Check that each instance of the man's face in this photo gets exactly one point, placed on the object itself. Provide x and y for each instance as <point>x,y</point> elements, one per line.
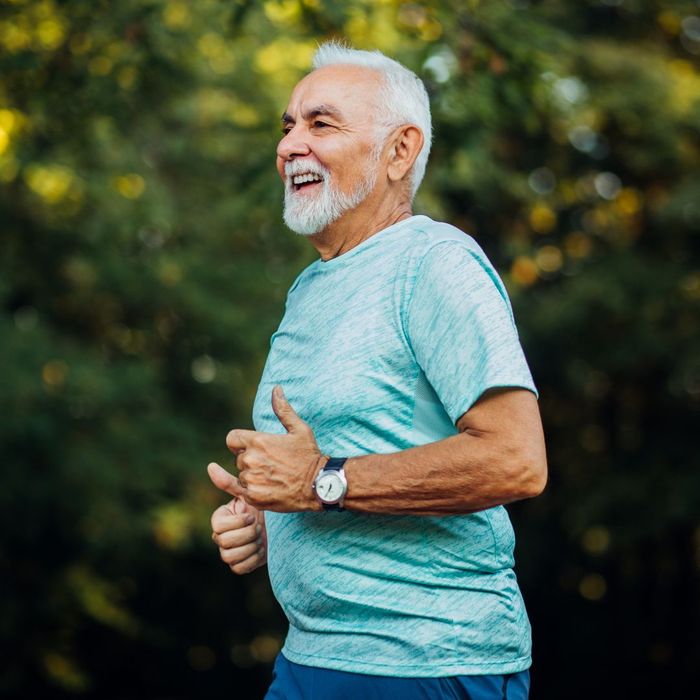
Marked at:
<point>327,157</point>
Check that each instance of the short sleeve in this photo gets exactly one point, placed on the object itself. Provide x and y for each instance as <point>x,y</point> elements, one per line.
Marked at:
<point>460,326</point>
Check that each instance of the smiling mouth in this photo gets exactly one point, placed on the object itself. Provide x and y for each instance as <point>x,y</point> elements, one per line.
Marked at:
<point>305,181</point>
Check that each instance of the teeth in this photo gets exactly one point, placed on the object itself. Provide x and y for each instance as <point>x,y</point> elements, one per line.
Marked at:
<point>306,177</point>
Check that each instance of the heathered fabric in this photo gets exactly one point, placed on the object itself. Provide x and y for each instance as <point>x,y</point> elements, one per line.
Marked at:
<point>381,349</point>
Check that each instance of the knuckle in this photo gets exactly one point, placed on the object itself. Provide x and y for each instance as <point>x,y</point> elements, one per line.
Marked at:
<point>255,441</point>
<point>257,502</point>
<point>253,457</point>
<point>240,568</point>
<point>226,555</point>
<point>217,516</point>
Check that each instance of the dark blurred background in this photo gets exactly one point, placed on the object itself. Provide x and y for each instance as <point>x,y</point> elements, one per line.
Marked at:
<point>144,266</point>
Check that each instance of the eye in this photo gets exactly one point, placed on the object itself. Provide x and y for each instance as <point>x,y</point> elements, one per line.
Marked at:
<point>319,125</point>
<point>286,129</point>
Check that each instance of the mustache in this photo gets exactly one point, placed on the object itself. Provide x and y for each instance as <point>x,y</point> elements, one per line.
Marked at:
<point>299,166</point>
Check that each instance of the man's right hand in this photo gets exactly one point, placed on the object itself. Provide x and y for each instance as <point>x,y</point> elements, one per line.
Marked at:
<point>239,532</point>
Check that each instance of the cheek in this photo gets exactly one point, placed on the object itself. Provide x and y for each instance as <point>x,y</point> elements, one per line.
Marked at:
<point>357,171</point>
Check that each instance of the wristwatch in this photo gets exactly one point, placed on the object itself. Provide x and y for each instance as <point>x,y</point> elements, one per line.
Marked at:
<point>331,485</point>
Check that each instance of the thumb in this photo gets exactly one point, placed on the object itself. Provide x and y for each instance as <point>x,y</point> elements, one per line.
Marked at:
<point>285,413</point>
<point>223,480</point>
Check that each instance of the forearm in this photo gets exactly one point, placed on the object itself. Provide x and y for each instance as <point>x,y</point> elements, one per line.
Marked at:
<point>460,474</point>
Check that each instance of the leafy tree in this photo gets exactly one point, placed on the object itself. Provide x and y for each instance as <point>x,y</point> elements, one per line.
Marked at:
<point>143,267</point>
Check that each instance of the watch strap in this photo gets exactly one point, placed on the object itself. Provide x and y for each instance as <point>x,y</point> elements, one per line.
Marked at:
<point>335,464</point>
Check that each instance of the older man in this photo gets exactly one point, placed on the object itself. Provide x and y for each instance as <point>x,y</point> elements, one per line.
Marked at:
<point>395,416</point>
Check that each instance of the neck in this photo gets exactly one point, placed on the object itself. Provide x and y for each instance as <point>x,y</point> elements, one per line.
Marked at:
<point>358,225</point>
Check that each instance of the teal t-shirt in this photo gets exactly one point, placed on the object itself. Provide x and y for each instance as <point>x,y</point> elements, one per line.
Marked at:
<point>381,349</point>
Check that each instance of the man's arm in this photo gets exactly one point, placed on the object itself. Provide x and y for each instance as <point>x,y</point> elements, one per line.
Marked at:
<point>498,457</point>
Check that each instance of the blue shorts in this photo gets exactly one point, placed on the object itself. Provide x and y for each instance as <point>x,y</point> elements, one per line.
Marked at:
<point>292,681</point>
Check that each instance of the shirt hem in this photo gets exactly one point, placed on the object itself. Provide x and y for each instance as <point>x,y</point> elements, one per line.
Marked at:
<point>412,670</point>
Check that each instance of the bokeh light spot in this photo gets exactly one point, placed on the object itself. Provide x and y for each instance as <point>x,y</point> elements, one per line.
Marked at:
<point>50,33</point>
<point>669,21</point>
<point>169,273</point>
<point>542,181</point>
<point>176,15</point>
<point>690,286</point>
<point>542,218</point>
<point>607,185</point>
<point>593,587</point>
<point>100,65</point>
<point>265,647</point>
<point>549,258</point>
<point>54,373</point>
<point>524,271</point>
<point>172,526</point>
<point>596,540</point>
<point>51,182</point>
<point>282,12</point>
<point>577,244</point>
<point>628,201</point>
<point>204,369</point>
<point>65,672</point>
<point>126,77</point>
<point>130,186</point>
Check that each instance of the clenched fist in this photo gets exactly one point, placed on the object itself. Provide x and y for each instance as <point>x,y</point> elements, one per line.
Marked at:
<point>275,470</point>
<point>239,532</point>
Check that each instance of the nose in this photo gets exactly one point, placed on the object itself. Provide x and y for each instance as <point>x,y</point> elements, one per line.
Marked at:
<point>292,145</point>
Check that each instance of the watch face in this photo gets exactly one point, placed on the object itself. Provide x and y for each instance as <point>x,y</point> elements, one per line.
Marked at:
<point>330,487</point>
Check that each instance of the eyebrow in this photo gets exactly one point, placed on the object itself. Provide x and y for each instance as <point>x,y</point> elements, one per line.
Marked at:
<point>319,111</point>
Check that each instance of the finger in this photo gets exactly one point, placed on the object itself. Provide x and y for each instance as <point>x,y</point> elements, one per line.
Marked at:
<point>224,481</point>
<point>223,521</point>
<point>230,539</point>
<point>237,440</point>
<point>251,563</point>
<point>235,555</point>
<point>285,413</point>
<point>240,506</point>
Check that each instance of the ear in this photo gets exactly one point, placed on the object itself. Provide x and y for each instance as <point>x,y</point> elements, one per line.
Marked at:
<point>406,144</point>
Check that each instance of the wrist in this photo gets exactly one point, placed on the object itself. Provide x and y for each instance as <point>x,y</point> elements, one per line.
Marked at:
<point>314,502</point>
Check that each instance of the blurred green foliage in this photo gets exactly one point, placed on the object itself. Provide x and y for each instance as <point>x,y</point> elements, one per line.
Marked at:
<point>143,268</point>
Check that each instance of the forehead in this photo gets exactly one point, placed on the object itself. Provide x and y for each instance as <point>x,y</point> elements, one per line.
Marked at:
<point>352,90</point>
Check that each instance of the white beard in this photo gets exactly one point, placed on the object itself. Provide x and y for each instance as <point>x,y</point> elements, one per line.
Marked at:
<point>307,213</point>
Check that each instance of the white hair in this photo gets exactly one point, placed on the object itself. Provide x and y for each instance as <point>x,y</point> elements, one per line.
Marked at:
<point>308,214</point>
<point>404,99</point>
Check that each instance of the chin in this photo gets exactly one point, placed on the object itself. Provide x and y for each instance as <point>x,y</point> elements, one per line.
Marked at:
<point>307,218</point>
<point>304,226</point>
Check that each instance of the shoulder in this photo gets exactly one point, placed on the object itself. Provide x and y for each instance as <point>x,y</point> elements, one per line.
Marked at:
<point>426,232</point>
<point>451,257</point>
<point>302,277</point>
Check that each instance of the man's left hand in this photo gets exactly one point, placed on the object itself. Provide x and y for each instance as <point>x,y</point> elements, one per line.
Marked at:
<point>276,472</point>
